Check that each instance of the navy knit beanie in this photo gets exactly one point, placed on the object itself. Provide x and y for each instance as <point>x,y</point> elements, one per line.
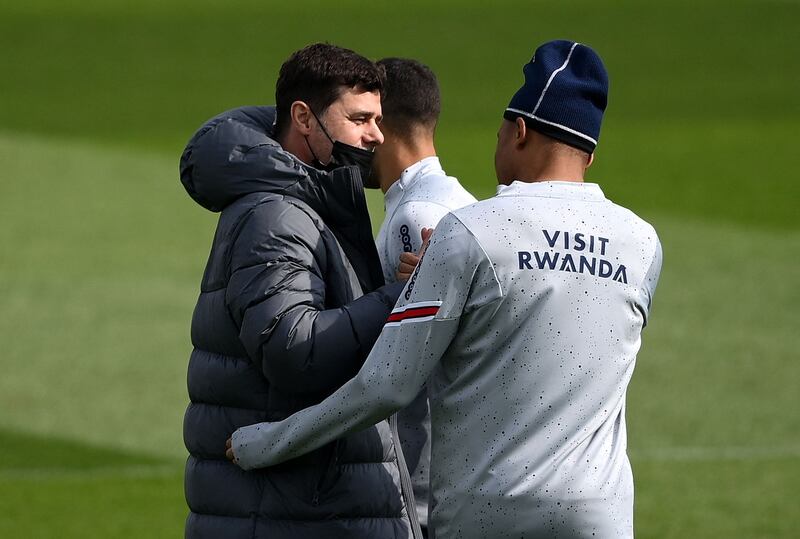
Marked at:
<point>564,94</point>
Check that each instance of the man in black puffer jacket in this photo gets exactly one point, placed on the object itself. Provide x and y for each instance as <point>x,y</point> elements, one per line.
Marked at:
<point>291,302</point>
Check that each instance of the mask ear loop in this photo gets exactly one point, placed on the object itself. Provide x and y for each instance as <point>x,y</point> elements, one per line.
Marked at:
<point>321,125</point>
<point>310,149</point>
<point>323,130</point>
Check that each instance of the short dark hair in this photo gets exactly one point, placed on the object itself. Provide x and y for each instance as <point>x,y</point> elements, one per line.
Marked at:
<point>411,96</point>
<point>316,75</point>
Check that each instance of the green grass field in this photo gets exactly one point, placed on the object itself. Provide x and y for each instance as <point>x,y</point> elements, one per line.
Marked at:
<point>102,250</point>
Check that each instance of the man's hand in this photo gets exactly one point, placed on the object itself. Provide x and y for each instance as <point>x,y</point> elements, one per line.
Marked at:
<point>229,450</point>
<point>409,261</point>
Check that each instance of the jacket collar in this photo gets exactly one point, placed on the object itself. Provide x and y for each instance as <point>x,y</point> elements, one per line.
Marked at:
<point>409,178</point>
<point>552,189</point>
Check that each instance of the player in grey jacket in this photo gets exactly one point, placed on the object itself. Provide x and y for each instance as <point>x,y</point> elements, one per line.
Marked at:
<point>525,317</point>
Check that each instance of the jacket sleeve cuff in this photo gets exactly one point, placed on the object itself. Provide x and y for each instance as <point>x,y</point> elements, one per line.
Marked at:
<point>392,292</point>
<point>368,313</point>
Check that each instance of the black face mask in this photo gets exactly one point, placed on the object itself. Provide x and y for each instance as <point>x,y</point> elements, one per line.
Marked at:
<point>345,155</point>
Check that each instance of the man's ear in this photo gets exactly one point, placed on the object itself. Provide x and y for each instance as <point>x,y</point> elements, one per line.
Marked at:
<point>591,160</point>
<point>302,117</point>
<point>521,134</point>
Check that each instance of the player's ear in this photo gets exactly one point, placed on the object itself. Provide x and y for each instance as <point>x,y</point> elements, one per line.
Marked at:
<point>301,117</point>
<point>521,132</point>
<point>590,161</point>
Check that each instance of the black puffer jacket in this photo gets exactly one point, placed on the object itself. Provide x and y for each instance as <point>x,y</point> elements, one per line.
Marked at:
<point>281,322</point>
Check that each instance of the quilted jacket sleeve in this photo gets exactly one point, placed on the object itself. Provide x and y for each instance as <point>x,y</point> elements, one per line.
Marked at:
<point>277,297</point>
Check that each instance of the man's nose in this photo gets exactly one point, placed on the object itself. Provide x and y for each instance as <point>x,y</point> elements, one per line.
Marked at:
<point>373,135</point>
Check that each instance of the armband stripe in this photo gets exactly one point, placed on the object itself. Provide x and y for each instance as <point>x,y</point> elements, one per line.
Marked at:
<point>417,312</point>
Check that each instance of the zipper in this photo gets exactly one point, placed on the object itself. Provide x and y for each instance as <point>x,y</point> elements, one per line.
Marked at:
<point>332,462</point>
<point>405,480</point>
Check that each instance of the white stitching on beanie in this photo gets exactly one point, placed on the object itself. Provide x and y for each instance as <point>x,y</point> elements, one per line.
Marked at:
<point>552,76</point>
<point>560,126</point>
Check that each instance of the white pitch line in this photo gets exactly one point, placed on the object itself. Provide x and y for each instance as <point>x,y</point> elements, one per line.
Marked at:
<point>125,472</point>
<point>709,454</point>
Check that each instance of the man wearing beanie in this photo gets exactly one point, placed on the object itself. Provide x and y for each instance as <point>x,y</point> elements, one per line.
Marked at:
<point>525,317</point>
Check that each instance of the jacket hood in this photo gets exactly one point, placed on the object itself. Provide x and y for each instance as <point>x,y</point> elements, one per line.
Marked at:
<point>233,154</point>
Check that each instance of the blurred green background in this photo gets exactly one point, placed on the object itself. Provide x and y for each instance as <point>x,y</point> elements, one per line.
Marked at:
<point>102,250</point>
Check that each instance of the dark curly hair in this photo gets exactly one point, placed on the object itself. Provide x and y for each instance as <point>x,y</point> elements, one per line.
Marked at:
<point>316,74</point>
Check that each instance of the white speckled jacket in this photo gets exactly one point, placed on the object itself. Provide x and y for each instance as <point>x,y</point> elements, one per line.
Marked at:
<point>419,199</point>
<point>526,314</point>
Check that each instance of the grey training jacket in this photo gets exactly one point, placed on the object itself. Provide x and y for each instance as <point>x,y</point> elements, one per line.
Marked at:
<point>525,316</point>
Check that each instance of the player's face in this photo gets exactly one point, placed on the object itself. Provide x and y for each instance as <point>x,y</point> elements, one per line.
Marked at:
<point>352,119</point>
<point>503,153</point>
